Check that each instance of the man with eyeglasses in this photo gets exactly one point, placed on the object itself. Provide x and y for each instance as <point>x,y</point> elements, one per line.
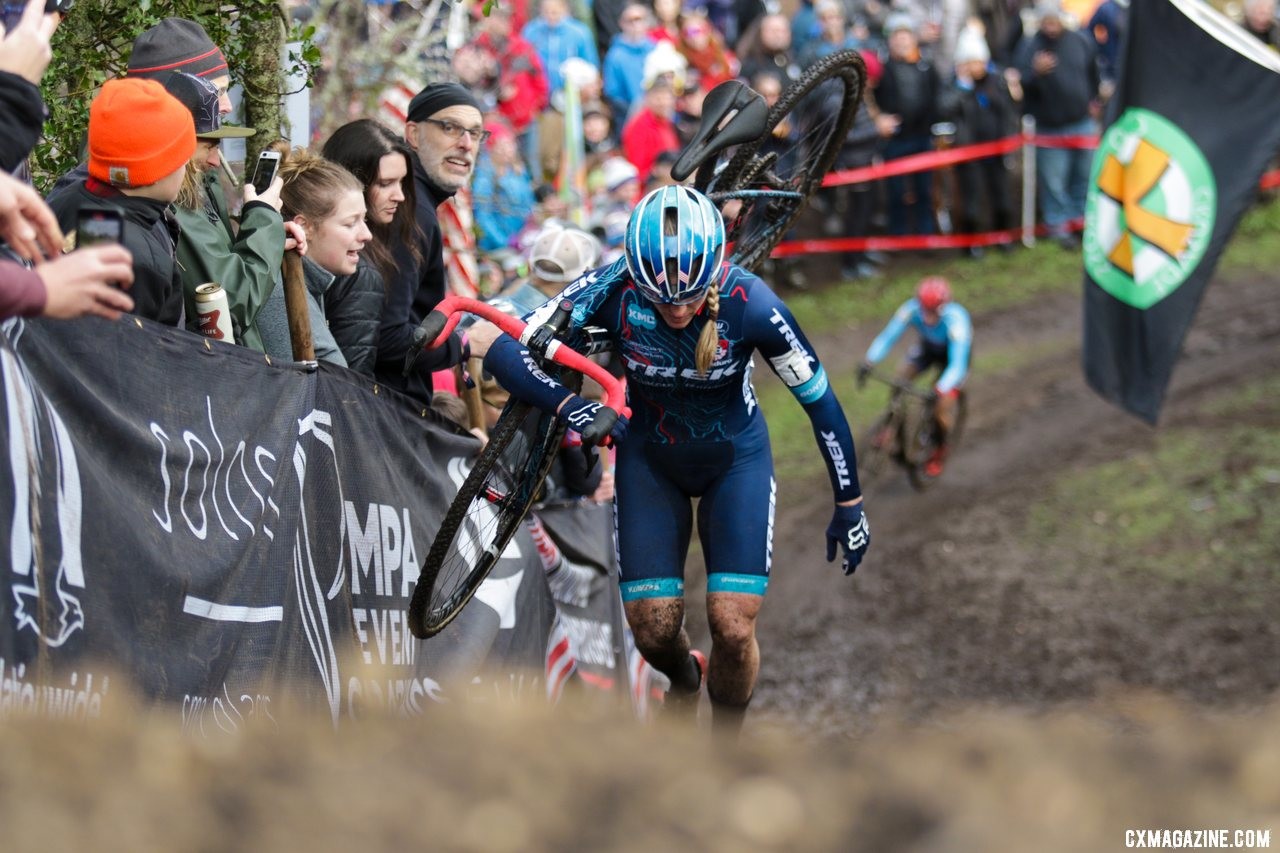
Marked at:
<point>445,128</point>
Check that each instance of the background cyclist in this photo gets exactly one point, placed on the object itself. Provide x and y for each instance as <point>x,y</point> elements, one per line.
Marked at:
<point>685,325</point>
<point>945,339</point>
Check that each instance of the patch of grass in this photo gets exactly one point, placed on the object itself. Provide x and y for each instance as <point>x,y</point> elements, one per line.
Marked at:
<point>998,281</point>
<point>1254,245</point>
<point>1200,506</point>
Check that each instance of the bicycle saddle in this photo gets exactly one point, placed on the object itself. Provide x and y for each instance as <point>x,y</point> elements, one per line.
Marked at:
<point>732,113</point>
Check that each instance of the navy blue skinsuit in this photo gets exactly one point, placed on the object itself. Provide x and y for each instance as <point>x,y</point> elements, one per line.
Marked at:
<point>690,435</point>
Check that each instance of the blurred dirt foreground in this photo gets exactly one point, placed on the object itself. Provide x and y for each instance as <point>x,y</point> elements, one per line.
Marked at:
<point>506,777</point>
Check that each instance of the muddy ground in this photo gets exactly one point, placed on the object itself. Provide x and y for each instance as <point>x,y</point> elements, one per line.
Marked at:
<point>970,689</point>
<point>955,604</point>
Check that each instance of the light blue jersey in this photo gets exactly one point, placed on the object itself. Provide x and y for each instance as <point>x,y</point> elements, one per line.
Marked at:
<point>950,337</point>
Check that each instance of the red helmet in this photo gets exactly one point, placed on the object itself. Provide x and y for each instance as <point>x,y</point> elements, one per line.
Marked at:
<point>933,292</point>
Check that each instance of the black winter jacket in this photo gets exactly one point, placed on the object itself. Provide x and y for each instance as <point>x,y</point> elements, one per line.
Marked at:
<point>982,112</point>
<point>157,288</point>
<point>21,119</point>
<point>411,295</point>
<point>910,90</point>
<point>1062,96</point>
<point>353,307</point>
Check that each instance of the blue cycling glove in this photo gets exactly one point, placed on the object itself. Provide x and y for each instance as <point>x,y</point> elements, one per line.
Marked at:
<point>579,414</point>
<point>848,528</point>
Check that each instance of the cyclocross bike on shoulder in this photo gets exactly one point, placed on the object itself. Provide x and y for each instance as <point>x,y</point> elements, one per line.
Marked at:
<point>760,192</point>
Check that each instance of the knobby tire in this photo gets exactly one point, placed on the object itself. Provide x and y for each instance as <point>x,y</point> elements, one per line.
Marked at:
<point>449,579</point>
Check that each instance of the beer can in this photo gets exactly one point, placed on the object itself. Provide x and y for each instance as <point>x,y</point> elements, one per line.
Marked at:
<point>214,312</point>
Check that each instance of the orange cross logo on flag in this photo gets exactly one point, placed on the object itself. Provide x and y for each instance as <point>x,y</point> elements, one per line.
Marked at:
<point>1150,210</point>
<point>1129,185</point>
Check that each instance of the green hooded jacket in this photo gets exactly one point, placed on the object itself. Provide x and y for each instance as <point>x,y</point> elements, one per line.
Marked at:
<point>246,263</point>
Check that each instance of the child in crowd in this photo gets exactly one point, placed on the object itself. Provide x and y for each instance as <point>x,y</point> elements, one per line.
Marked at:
<point>140,139</point>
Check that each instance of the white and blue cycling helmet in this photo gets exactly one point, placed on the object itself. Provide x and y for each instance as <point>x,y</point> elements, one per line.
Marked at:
<point>674,245</point>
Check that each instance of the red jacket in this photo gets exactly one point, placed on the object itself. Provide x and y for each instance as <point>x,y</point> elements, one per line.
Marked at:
<point>521,79</point>
<point>645,137</point>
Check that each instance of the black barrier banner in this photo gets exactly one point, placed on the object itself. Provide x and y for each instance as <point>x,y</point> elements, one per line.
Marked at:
<point>1176,168</point>
<point>575,539</point>
<point>223,529</point>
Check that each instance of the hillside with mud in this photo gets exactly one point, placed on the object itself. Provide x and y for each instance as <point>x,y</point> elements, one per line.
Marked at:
<point>1070,637</point>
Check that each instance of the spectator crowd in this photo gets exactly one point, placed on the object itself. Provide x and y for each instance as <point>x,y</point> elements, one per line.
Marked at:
<point>378,216</point>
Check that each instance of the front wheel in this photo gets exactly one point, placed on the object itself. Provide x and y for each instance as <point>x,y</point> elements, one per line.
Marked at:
<point>925,441</point>
<point>488,509</point>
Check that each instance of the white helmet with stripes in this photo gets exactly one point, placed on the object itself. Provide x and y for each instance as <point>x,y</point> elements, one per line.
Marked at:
<point>674,245</point>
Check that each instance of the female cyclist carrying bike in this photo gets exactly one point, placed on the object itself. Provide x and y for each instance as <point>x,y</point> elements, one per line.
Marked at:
<point>685,325</point>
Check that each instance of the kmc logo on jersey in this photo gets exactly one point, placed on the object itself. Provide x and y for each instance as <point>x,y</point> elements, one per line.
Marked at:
<point>641,317</point>
<point>1150,210</point>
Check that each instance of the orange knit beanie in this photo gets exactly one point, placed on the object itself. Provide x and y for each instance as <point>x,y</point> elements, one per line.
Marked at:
<point>138,133</point>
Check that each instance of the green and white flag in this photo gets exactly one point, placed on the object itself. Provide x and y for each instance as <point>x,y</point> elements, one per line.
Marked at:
<point>1193,123</point>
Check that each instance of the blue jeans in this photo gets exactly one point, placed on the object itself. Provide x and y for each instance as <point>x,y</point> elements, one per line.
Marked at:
<point>910,196</point>
<point>1063,174</point>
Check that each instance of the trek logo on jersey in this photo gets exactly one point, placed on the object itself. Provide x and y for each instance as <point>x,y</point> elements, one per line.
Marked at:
<point>837,459</point>
<point>657,371</point>
<point>1150,211</point>
<point>641,317</point>
<point>792,338</point>
<point>537,372</point>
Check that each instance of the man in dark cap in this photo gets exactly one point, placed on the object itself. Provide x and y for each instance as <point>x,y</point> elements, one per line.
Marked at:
<point>177,44</point>
<point>445,128</point>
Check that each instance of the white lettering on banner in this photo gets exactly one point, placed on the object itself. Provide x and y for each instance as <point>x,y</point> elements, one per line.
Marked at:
<point>837,458</point>
<point>207,481</point>
<point>78,701</point>
<point>227,713</point>
<point>500,594</point>
<point>381,547</point>
<point>402,696</point>
<point>592,639</point>
<point>230,612</point>
<point>43,470</point>
<point>389,630</point>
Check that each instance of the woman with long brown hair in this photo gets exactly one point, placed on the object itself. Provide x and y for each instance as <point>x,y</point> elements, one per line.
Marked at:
<point>383,164</point>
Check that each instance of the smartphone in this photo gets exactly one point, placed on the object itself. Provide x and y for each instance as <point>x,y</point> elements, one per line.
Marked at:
<point>11,13</point>
<point>265,172</point>
<point>95,225</point>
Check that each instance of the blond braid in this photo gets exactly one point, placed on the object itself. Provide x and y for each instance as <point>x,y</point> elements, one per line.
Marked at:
<point>709,340</point>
